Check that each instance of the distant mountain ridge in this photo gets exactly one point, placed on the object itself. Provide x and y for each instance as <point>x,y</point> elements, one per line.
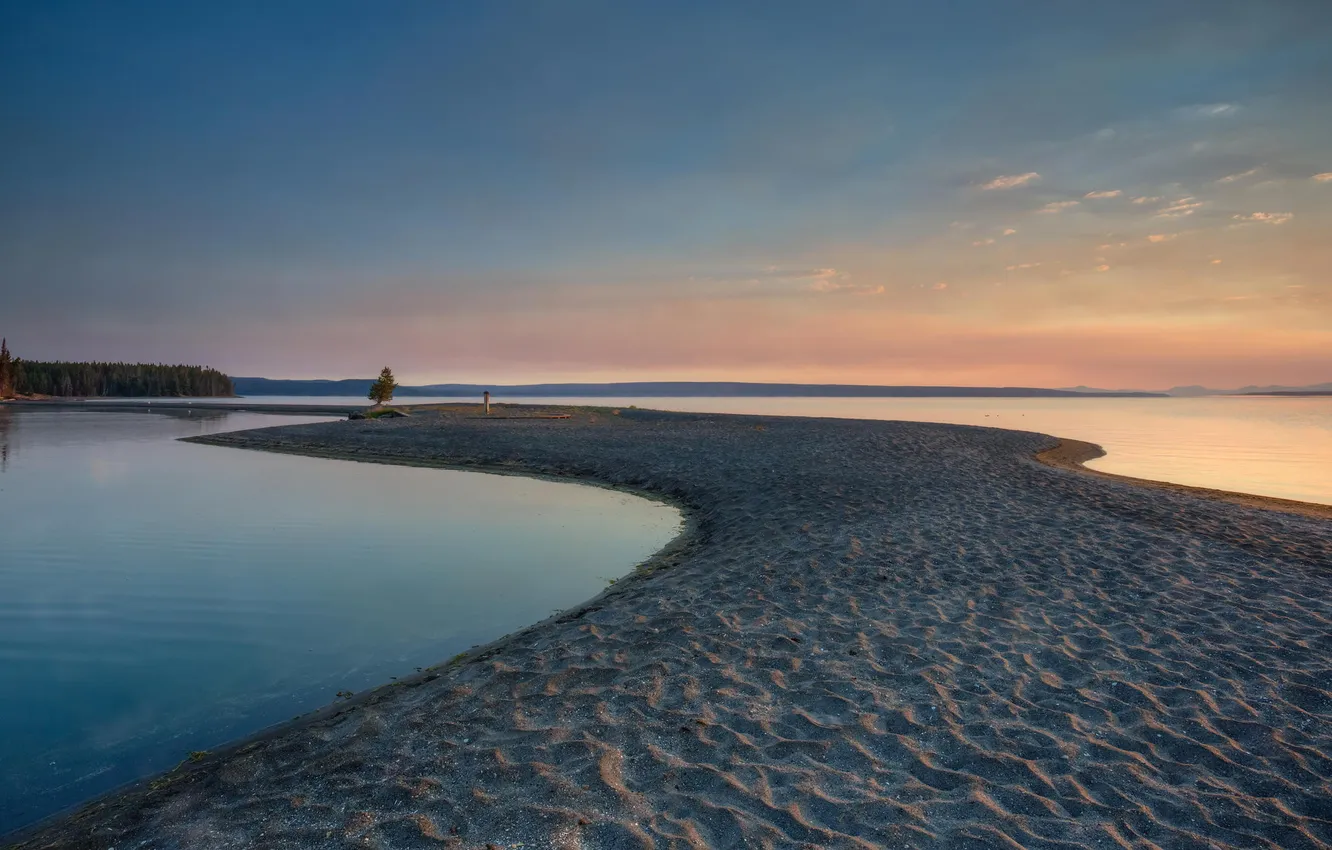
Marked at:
<point>665,389</point>
<point>1312,388</point>
<point>1195,390</point>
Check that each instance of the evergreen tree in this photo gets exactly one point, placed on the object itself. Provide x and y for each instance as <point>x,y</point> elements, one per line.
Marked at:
<point>92,380</point>
<point>381,391</point>
<point>6,370</point>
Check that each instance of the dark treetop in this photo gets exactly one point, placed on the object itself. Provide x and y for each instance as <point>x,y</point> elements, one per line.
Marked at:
<point>92,380</point>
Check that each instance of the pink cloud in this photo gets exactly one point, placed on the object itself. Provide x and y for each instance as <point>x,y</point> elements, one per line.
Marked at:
<point>1265,217</point>
<point>1057,206</point>
<point>1012,181</point>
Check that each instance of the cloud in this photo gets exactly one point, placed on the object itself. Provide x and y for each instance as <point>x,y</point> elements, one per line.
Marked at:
<point>1020,266</point>
<point>1112,193</point>
<point>770,274</point>
<point>781,279</point>
<point>1057,206</point>
<point>1144,199</point>
<point>1181,207</point>
<point>833,281</point>
<point>856,289</point>
<point>1208,110</point>
<point>1009,231</point>
<point>1265,217</point>
<point>980,242</point>
<point>941,285</point>
<point>1231,178</point>
<point>1161,237</point>
<point>1103,268</point>
<point>1325,177</point>
<point>1011,181</point>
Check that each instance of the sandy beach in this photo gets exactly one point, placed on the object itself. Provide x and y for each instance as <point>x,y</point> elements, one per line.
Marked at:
<point>871,634</point>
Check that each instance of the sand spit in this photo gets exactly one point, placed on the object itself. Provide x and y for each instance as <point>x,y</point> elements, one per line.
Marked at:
<point>1072,454</point>
<point>878,634</point>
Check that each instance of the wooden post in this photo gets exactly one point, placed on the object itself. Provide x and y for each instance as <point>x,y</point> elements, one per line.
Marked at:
<point>486,397</point>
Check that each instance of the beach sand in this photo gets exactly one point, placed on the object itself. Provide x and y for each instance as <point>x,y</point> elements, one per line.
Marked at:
<point>873,634</point>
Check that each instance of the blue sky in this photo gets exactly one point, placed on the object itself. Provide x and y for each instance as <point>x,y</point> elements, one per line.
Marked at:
<point>771,191</point>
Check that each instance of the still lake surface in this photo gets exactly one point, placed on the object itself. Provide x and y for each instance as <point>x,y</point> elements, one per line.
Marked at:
<point>1269,445</point>
<point>159,597</point>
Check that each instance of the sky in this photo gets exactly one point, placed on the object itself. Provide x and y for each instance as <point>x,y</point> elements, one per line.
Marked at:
<point>1037,193</point>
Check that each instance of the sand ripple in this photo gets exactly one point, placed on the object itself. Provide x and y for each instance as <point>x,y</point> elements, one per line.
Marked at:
<point>878,635</point>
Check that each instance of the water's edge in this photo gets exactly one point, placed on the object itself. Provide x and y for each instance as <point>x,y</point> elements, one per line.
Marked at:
<point>686,539</point>
<point>1072,455</point>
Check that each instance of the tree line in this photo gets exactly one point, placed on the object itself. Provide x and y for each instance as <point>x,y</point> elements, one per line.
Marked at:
<point>93,380</point>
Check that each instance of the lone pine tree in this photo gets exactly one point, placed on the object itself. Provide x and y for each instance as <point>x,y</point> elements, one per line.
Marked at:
<point>381,391</point>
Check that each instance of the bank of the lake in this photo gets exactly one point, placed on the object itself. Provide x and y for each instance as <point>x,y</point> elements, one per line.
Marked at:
<point>1267,446</point>
<point>888,633</point>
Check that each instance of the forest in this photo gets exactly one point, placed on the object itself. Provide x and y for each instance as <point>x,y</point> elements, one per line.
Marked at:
<point>99,380</point>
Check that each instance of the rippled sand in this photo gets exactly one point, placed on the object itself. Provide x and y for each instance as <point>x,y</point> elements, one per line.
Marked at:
<point>876,634</point>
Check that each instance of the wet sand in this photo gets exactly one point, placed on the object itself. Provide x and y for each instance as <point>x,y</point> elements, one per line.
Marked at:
<point>873,634</point>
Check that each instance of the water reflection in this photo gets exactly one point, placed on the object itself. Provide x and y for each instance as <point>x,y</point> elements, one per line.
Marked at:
<point>1271,446</point>
<point>5,428</point>
<point>158,597</point>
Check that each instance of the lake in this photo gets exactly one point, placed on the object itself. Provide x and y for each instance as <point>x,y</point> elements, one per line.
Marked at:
<point>159,597</point>
<point>1272,446</point>
<point>1269,445</point>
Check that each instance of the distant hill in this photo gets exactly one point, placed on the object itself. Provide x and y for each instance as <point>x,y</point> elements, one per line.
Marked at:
<point>1195,390</point>
<point>1083,389</point>
<point>660,389</point>
<point>1173,392</point>
<point>1312,389</point>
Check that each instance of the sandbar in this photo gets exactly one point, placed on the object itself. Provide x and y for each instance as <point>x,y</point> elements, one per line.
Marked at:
<point>871,634</point>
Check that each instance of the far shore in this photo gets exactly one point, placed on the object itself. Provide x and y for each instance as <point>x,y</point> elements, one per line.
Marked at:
<point>872,634</point>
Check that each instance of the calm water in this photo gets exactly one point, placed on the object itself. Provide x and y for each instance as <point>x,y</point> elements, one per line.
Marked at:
<point>1277,446</point>
<point>158,597</point>
<point>1271,446</point>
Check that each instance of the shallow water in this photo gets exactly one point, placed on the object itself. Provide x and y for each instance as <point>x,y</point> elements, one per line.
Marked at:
<point>158,597</point>
<point>1273,446</point>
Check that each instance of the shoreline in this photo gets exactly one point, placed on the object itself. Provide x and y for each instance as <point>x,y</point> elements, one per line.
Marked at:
<point>661,559</point>
<point>1069,454</point>
<point>811,515</point>
<point>1072,455</point>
